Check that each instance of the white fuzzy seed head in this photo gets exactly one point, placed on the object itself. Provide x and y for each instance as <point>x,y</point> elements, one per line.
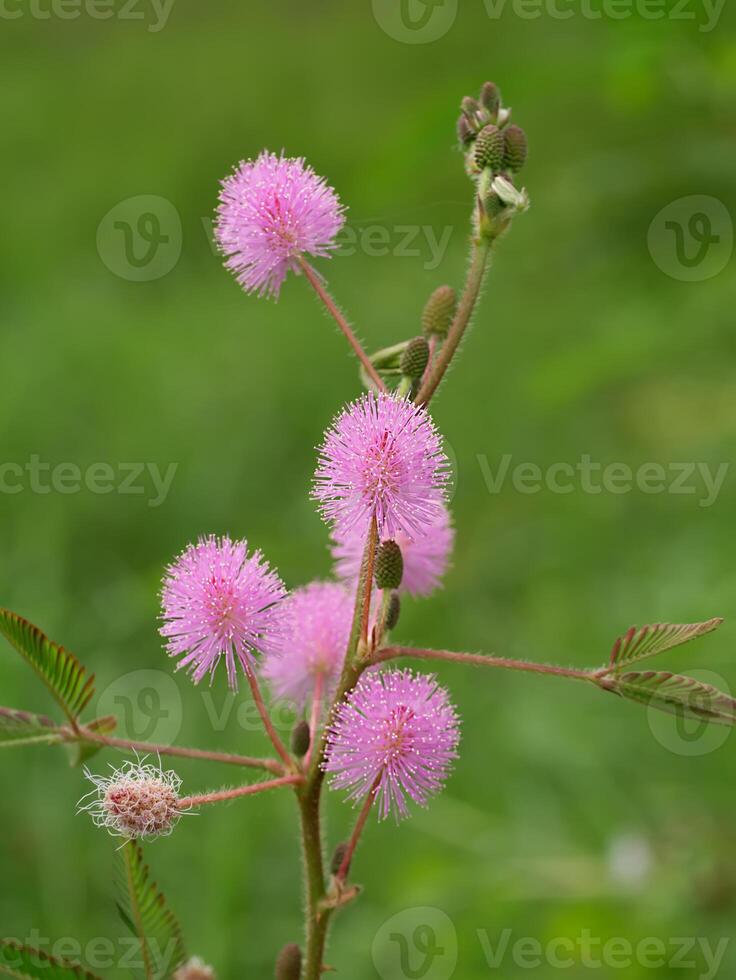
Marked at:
<point>195,969</point>
<point>137,801</point>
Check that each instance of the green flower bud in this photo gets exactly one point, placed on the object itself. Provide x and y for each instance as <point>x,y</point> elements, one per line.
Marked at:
<point>465,132</point>
<point>440,311</point>
<point>516,148</point>
<point>389,565</point>
<point>415,358</point>
<point>490,98</point>
<point>394,611</point>
<point>489,148</point>
<point>300,739</point>
<point>289,963</point>
<point>470,107</point>
<point>338,857</point>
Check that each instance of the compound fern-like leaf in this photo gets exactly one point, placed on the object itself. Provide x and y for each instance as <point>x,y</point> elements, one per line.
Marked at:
<point>25,963</point>
<point>675,694</point>
<point>637,644</point>
<point>60,670</point>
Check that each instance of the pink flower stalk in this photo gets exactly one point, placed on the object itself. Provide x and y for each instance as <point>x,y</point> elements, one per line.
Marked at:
<point>219,601</point>
<point>319,619</point>
<point>382,458</point>
<point>396,735</point>
<point>272,210</point>
<point>426,556</point>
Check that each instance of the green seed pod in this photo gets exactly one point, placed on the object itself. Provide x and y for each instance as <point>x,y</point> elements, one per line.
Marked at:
<point>415,358</point>
<point>300,739</point>
<point>516,148</point>
<point>394,611</point>
<point>289,963</point>
<point>490,98</point>
<point>389,565</point>
<point>440,311</point>
<point>489,148</point>
<point>338,857</point>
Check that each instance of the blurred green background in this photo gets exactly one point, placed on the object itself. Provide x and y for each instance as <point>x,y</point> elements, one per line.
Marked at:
<point>568,811</point>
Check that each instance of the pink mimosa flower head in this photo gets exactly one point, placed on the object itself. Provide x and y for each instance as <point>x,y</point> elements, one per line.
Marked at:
<point>319,618</point>
<point>426,556</point>
<point>272,210</point>
<point>137,801</point>
<point>396,736</point>
<point>219,601</point>
<point>382,458</point>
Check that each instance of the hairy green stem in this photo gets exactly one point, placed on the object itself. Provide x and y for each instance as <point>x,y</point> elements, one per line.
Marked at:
<point>189,802</point>
<point>473,284</point>
<point>484,660</point>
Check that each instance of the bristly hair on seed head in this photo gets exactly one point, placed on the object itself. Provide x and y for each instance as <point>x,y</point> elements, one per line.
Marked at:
<point>381,459</point>
<point>137,801</point>
<point>219,601</point>
<point>273,210</point>
<point>396,736</point>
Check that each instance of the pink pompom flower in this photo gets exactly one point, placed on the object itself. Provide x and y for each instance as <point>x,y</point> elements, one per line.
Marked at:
<point>319,619</point>
<point>426,556</point>
<point>382,458</point>
<point>272,210</point>
<point>219,601</point>
<point>396,736</point>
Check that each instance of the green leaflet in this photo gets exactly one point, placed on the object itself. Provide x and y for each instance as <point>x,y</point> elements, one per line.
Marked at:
<point>675,694</point>
<point>145,912</point>
<point>25,963</point>
<point>60,670</point>
<point>637,644</point>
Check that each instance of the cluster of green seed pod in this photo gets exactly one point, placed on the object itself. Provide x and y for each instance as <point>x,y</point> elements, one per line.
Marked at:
<point>490,143</point>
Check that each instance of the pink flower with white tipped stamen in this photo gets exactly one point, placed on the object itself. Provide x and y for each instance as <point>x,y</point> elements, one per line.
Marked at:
<point>396,735</point>
<point>219,601</point>
<point>426,556</point>
<point>272,210</point>
<point>382,458</point>
<point>137,801</point>
<point>319,619</point>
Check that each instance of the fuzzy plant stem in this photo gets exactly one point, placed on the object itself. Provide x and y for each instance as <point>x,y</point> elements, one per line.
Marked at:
<point>347,860</point>
<point>189,802</point>
<point>473,284</point>
<point>310,795</point>
<point>267,723</point>
<point>334,311</point>
<point>483,660</point>
<point>86,735</point>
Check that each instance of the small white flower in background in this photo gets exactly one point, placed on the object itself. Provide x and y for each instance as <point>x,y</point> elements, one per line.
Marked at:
<point>195,969</point>
<point>137,801</point>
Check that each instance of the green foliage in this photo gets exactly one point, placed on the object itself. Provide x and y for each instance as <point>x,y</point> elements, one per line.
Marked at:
<point>81,751</point>
<point>60,670</point>
<point>638,644</point>
<point>23,728</point>
<point>676,694</point>
<point>145,912</point>
<point>26,963</point>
